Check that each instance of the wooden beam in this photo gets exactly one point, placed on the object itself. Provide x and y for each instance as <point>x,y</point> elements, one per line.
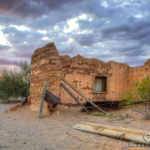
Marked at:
<point>75,98</point>
<point>82,95</point>
<point>42,99</point>
<point>137,136</point>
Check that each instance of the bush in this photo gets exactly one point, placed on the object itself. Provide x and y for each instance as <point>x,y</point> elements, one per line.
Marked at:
<point>143,89</point>
<point>15,85</point>
<point>140,91</point>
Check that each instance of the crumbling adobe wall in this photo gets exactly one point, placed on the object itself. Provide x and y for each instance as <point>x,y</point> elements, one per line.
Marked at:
<point>45,66</point>
<point>138,73</point>
<point>118,81</point>
<point>81,72</point>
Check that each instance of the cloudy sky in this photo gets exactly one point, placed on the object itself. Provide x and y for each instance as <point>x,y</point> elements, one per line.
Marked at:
<point>116,30</point>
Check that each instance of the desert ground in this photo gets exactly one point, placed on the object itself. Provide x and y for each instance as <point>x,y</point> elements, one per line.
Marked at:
<point>22,130</point>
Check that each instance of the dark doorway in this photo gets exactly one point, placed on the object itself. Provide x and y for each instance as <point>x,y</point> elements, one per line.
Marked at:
<point>100,84</point>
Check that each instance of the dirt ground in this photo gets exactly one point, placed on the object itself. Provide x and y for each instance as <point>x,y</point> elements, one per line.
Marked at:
<point>22,130</point>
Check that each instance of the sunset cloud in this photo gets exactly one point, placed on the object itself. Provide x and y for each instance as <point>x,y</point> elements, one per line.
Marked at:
<point>104,29</point>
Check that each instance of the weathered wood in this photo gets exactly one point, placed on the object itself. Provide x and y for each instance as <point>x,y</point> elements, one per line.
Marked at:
<point>75,98</point>
<point>82,95</point>
<point>42,99</point>
<point>137,136</point>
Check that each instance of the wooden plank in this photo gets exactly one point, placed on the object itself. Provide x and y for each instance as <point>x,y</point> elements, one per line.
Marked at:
<point>75,98</point>
<point>137,136</point>
<point>42,99</point>
<point>82,95</point>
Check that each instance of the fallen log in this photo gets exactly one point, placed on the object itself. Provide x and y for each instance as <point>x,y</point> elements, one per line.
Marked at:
<point>137,136</point>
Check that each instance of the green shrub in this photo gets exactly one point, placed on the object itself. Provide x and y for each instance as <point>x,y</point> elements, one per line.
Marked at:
<point>144,89</point>
<point>140,91</point>
<point>15,85</point>
<point>105,115</point>
<point>131,95</point>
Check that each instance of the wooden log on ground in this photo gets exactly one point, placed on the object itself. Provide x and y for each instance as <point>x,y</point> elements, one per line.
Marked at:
<point>137,136</point>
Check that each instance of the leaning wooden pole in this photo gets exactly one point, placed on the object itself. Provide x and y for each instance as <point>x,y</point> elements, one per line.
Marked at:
<point>42,99</point>
<point>121,133</point>
<point>82,95</point>
<point>75,98</point>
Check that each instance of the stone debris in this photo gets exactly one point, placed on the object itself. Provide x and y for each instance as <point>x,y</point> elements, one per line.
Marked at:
<point>17,106</point>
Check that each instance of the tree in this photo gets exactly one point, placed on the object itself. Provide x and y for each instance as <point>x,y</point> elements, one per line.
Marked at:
<point>25,71</point>
<point>14,85</point>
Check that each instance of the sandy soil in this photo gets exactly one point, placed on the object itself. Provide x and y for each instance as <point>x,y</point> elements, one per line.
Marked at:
<point>22,130</point>
<point>3,107</point>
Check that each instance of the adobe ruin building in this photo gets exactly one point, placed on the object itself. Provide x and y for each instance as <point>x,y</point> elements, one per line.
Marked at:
<point>98,80</point>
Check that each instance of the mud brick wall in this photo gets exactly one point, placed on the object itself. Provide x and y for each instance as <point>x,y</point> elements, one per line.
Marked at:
<point>81,72</point>
<point>45,65</point>
<point>138,73</point>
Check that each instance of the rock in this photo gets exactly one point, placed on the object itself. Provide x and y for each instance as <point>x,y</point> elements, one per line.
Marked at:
<point>15,107</point>
<point>139,127</point>
<point>12,108</point>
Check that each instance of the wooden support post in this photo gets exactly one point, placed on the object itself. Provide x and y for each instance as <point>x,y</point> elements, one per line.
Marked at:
<point>75,98</point>
<point>82,95</point>
<point>42,99</point>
